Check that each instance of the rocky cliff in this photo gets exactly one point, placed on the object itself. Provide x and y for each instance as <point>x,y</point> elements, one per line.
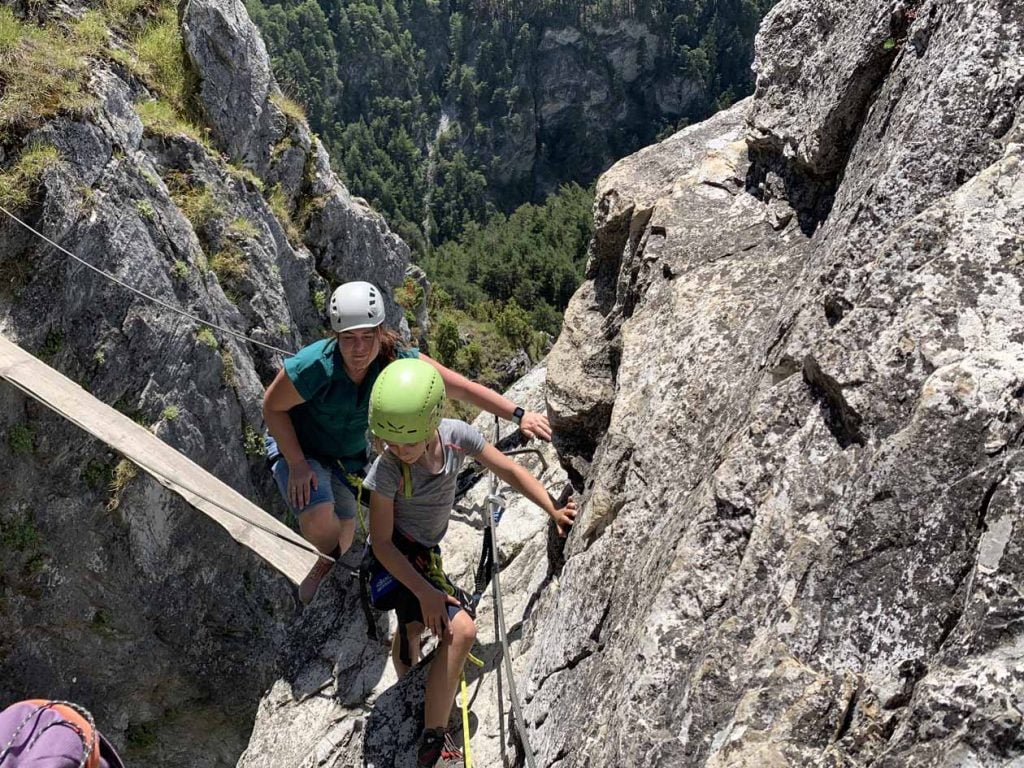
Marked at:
<point>801,530</point>
<point>587,98</point>
<point>113,592</point>
<point>791,391</point>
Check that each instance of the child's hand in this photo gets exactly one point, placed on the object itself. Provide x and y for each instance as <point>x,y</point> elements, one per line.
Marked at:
<point>565,517</point>
<point>434,607</point>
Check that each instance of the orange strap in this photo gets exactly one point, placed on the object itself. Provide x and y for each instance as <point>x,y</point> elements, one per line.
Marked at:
<point>74,717</point>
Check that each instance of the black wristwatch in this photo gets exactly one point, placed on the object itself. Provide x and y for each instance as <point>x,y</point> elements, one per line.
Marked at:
<point>517,415</point>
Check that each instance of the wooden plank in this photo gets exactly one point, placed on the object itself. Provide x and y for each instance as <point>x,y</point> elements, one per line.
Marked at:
<point>247,524</point>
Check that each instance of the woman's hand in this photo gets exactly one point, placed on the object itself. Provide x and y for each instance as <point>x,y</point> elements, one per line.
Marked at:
<point>535,425</point>
<point>565,517</point>
<point>434,608</point>
<point>300,478</point>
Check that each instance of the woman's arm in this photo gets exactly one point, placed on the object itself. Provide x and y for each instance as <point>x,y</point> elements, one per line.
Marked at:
<point>520,478</point>
<point>432,600</point>
<point>458,387</point>
<point>280,397</point>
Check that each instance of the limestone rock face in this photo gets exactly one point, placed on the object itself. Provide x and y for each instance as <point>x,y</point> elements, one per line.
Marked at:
<point>800,527</point>
<point>247,114</point>
<point>578,85</point>
<point>114,592</point>
<point>791,393</point>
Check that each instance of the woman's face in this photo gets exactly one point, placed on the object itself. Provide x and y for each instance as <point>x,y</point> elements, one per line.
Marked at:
<point>359,348</point>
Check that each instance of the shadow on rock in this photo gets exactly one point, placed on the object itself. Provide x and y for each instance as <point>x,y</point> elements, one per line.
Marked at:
<point>396,721</point>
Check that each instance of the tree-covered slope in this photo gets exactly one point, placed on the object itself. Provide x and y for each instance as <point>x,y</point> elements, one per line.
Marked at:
<point>438,110</point>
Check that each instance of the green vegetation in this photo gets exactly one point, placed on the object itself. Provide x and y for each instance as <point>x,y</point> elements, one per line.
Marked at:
<point>21,440</point>
<point>374,74</point>
<point>159,117</point>
<point>228,374</point>
<point>97,475</point>
<point>289,107</point>
<point>244,175</point>
<point>51,345</point>
<point>170,413</point>
<point>145,209</point>
<point>20,182</point>
<point>282,211</point>
<point>44,69</point>
<point>196,201</point>
<point>230,265</point>
<point>179,270</point>
<point>19,534</point>
<point>535,256</point>
<point>102,622</point>
<point>205,336</point>
<point>320,301</point>
<point>140,736</point>
<point>242,228</point>
<point>124,472</point>
<point>252,442</point>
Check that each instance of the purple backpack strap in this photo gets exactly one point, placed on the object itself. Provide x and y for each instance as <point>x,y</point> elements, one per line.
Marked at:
<point>38,735</point>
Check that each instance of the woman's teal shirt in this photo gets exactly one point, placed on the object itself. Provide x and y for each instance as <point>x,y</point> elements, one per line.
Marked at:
<point>333,422</point>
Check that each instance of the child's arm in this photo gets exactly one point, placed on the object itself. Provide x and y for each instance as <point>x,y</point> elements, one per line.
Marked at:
<point>432,600</point>
<point>520,478</point>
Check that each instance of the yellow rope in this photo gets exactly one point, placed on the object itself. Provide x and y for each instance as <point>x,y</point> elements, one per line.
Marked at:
<point>357,482</point>
<point>466,753</point>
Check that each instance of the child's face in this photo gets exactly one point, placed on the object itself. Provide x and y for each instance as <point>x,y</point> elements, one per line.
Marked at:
<point>408,452</point>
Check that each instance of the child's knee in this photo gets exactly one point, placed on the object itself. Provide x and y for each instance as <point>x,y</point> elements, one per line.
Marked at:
<point>463,630</point>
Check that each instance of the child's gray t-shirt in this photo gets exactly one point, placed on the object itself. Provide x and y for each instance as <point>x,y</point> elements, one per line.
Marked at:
<point>424,516</point>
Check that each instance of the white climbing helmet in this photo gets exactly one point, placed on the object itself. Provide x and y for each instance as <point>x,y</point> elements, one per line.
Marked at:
<point>356,305</point>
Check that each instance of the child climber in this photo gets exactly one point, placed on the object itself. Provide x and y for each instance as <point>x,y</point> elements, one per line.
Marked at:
<point>413,489</point>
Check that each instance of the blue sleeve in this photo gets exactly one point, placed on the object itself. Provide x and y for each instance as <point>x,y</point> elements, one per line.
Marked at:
<point>402,354</point>
<point>306,371</point>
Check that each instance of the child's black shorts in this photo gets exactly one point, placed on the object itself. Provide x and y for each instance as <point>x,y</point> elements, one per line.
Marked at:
<point>386,593</point>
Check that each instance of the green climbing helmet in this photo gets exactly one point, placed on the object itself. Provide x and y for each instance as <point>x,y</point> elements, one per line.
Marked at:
<point>406,401</point>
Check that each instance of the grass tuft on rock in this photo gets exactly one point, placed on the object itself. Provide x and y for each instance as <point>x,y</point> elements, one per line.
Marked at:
<point>20,182</point>
<point>43,70</point>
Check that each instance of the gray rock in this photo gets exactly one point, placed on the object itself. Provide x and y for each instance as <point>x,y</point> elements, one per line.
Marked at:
<point>773,569</point>
<point>236,84</point>
<point>346,239</point>
<point>120,596</point>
